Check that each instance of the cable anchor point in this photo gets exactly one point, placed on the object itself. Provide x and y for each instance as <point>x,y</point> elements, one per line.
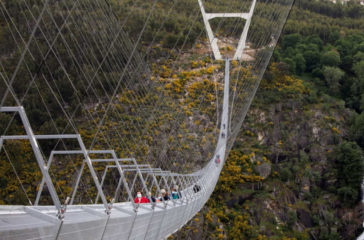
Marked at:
<point>62,210</point>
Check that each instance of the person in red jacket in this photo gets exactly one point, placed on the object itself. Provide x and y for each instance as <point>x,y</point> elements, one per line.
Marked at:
<point>140,198</point>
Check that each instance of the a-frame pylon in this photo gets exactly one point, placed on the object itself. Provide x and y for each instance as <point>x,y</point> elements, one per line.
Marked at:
<point>213,40</point>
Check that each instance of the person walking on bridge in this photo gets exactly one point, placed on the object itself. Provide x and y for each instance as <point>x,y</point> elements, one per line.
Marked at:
<point>164,195</point>
<point>140,198</point>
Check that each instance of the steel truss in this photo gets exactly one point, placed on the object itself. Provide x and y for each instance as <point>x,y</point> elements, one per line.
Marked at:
<point>212,38</point>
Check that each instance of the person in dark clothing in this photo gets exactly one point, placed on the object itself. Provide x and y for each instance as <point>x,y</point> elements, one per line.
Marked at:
<point>196,188</point>
<point>164,196</point>
<point>151,198</point>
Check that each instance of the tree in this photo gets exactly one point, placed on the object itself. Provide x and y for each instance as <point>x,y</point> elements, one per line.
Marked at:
<point>285,174</point>
<point>358,68</point>
<point>359,57</point>
<point>300,63</point>
<point>291,40</point>
<point>330,58</point>
<point>318,73</point>
<point>291,219</point>
<point>332,76</point>
<point>345,47</point>
<point>360,47</point>
<point>347,194</point>
<point>349,164</point>
<point>357,86</point>
<point>316,40</point>
<point>357,129</point>
<point>312,58</point>
<point>291,63</point>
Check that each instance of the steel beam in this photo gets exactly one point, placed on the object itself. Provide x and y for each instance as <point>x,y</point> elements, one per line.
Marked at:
<point>213,40</point>
<point>43,216</point>
<point>38,154</point>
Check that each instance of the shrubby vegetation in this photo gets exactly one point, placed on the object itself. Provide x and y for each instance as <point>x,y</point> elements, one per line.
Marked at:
<point>306,127</point>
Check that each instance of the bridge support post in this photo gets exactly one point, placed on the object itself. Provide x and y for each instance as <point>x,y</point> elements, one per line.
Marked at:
<point>213,40</point>
<point>37,152</point>
<point>92,171</point>
<point>77,183</point>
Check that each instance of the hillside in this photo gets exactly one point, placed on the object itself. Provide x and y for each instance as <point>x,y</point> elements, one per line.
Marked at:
<point>296,169</point>
<point>279,179</point>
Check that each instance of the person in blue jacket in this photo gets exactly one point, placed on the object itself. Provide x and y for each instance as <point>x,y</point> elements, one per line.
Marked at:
<point>175,193</point>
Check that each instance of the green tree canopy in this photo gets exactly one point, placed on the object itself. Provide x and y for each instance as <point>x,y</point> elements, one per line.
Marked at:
<point>291,63</point>
<point>312,58</point>
<point>291,40</point>
<point>359,57</point>
<point>300,63</point>
<point>333,75</point>
<point>330,58</point>
<point>349,163</point>
<point>357,129</point>
<point>359,69</point>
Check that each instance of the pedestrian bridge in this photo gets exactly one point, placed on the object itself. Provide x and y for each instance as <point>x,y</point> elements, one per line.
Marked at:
<point>65,54</point>
<point>125,220</point>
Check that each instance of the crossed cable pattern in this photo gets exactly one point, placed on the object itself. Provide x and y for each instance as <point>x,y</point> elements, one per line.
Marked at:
<point>76,57</point>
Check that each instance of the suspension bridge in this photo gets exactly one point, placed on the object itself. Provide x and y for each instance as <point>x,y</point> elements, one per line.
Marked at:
<point>74,77</point>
